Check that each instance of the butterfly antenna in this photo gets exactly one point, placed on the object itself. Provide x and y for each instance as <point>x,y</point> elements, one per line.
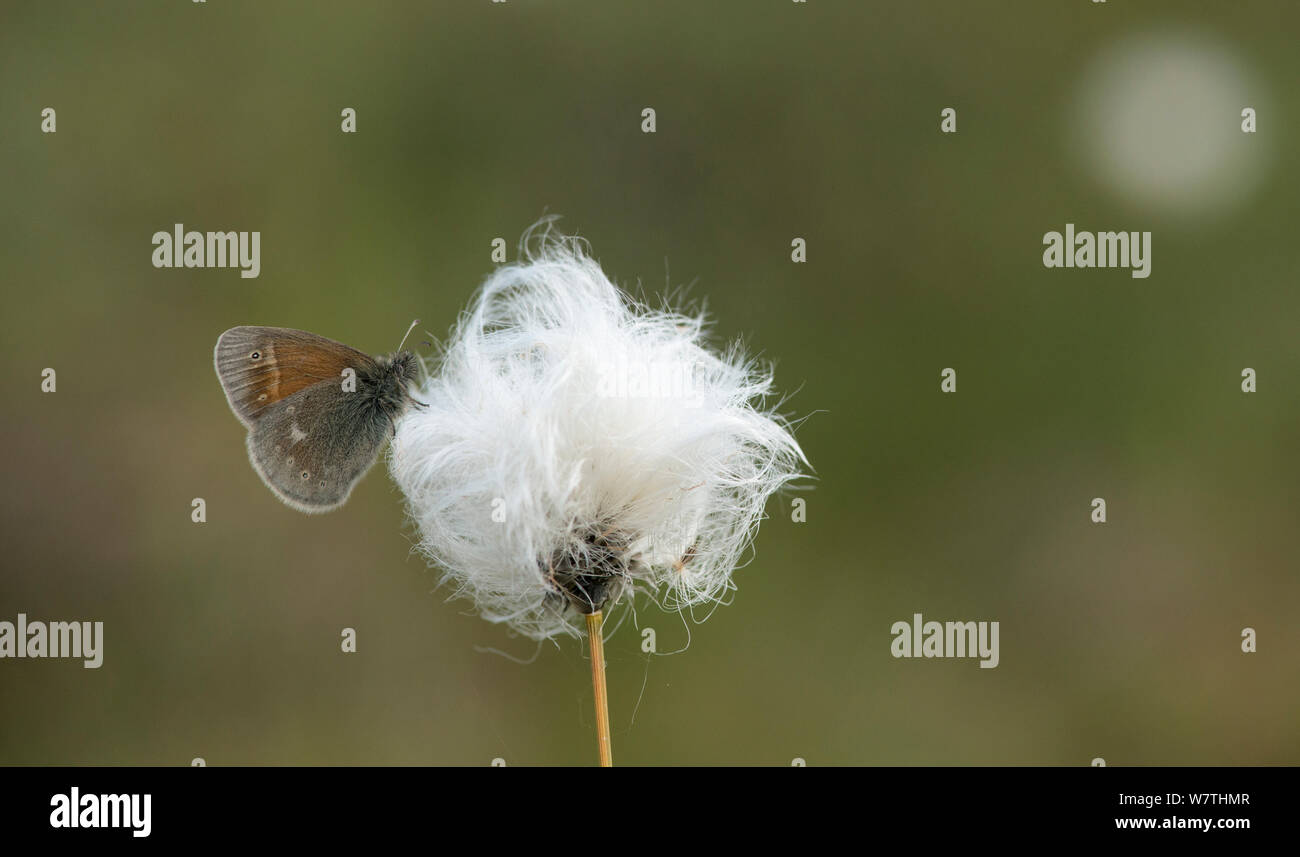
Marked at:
<point>408,333</point>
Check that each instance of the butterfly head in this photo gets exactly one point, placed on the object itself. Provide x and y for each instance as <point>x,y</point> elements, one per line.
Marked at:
<point>397,375</point>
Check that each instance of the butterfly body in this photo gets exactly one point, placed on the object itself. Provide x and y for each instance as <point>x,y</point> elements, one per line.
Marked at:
<point>317,411</point>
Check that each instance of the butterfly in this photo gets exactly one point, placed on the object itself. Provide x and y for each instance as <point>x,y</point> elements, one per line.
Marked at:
<point>317,411</point>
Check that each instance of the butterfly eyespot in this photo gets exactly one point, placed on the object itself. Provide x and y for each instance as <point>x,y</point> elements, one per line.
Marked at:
<point>256,355</point>
<point>321,483</point>
<point>306,475</point>
<point>262,398</point>
<point>289,461</point>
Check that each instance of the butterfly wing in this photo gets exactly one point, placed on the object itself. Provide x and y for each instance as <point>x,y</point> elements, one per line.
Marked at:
<point>260,366</point>
<point>314,446</point>
<point>308,438</point>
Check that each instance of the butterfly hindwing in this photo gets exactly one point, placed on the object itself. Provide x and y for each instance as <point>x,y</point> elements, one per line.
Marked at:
<point>260,366</point>
<point>312,447</point>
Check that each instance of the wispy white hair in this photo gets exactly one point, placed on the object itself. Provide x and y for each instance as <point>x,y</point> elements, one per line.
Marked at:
<point>540,436</point>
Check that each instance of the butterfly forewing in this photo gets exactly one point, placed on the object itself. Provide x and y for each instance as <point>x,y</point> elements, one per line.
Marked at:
<point>260,366</point>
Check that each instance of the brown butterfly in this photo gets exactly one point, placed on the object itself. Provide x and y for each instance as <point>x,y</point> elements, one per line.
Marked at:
<point>317,411</point>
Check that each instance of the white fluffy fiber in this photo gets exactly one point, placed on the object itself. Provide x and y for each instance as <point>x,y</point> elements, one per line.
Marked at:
<point>523,420</point>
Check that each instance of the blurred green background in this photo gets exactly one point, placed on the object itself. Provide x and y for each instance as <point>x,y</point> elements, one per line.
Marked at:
<point>775,120</point>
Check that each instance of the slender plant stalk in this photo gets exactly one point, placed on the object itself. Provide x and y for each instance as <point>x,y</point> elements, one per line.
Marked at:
<point>597,640</point>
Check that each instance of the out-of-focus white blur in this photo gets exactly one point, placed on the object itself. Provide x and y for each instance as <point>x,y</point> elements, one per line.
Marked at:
<point>1157,120</point>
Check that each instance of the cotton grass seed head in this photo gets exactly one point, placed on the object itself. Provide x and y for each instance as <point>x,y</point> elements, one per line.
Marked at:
<point>577,447</point>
